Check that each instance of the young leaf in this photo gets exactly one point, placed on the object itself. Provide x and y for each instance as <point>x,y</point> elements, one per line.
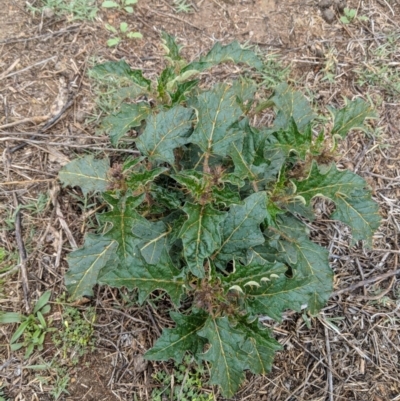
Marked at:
<point>291,104</point>
<point>140,179</point>
<point>217,110</point>
<point>193,181</point>
<point>10,317</point>
<point>147,278</point>
<point>86,263</point>
<point>16,346</point>
<point>165,132</point>
<point>219,54</point>
<point>42,301</point>
<point>130,2</point>
<point>134,35</point>
<point>113,42</point>
<point>123,27</point>
<point>354,205</point>
<point>247,154</point>
<point>241,228</point>
<point>111,28</point>
<point>171,47</point>
<point>226,354</point>
<point>167,75</point>
<point>200,235</point>
<point>20,330</point>
<point>122,70</point>
<point>352,116</point>
<point>128,9</point>
<point>87,173</point>
<point>109,4</point>
<point>129,116</point>
<point>292,140</point>
<point>174,343</point>
<point>182,89</point>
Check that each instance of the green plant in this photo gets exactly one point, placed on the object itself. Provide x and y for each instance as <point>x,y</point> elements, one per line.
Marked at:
<point>2,395</point>
<point>123,32</point>
<point>185,383</point>
<point>33,328</point>
<point>61,382</point>
<point>57,380</point>
<point>274,71</point>
<point>214,210</point>
<point>73,9</point>
<point>122,5</point>
<point>379,71</point>
<point>350,14</point>
<point>75,337</point>
<point>182,6</point>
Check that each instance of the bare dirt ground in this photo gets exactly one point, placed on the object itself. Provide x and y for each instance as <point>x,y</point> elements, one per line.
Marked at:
<point>352,350</point>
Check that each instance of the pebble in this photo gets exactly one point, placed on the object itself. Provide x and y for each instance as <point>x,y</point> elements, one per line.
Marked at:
<point>340,5</point>
<point>325,4</point>
<point>328,15</point>
<point>48,12</point>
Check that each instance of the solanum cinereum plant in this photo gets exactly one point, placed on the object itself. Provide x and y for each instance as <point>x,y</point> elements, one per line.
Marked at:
<point>214,211</point>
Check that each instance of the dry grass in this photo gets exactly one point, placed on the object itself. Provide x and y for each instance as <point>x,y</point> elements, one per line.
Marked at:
<point>351,350</point>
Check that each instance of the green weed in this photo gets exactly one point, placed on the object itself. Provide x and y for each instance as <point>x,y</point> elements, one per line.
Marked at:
<point>72,9</point>
<point>75,337</point>
<point>350,14</point>
<point>121,33</point>
<point>209,212</point>
<point>380,71</point>
<point>185,383</point>
<point>125,5</point>
<point>32,328</point>
<point>183,6</point>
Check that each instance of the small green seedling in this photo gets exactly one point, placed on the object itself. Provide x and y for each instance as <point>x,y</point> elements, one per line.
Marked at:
<point>33,328</point>
<point>187,379</point>
<point>119,35</point>
<point>75,337</point>
<point>73,10</point>
<point>350,14</point>
<point>182,6</point>
<point>123,5</point>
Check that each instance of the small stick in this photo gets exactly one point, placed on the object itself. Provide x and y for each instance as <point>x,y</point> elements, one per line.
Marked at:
<point>369,281</point>
<point>329,371</point>
<point>44,36</point>
<point>25,182</point>
<point>22,254</point>
<point>10,68</point>
<point>37,119</point>
<point>174,17</point>
<point>28,68</point>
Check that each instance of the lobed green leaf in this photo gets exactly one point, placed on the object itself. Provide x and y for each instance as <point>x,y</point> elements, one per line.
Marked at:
<point>354,205</point>
<point>174,343</point>
<point>129,116</point>
<point>291,105</point>
<point>87,173</point>
<point>241,228</point>
<point>165,132</point>
<point>352,116</point>
<point>85,265</point>
<point>200,235</point>
<point>137,273</point>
